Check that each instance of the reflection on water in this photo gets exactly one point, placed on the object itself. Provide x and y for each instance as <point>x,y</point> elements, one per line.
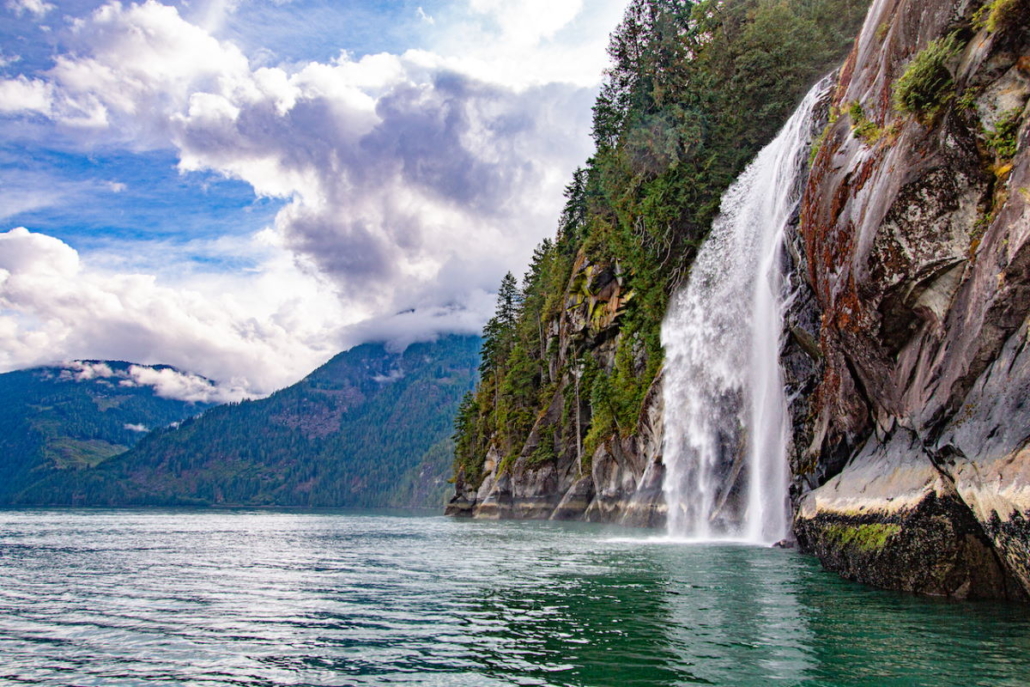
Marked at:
<point>261,598</point>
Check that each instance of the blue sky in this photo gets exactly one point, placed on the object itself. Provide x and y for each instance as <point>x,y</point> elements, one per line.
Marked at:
<point>242,188</point>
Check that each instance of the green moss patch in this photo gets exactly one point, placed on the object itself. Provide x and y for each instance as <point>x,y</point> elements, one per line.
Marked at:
<point>867,538</point>
<point>864,128</point>
<point>999,15</point>
<point>1003,140</point>
<point>927,82</point>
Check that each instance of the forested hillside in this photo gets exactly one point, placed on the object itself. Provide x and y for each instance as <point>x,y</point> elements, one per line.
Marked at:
<point>369,428</point>
<point>76,416</point>
<point>693,91</point>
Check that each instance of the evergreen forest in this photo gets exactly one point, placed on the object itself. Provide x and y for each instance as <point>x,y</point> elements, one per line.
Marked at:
<point>693,91</point>
<point>370,428</point>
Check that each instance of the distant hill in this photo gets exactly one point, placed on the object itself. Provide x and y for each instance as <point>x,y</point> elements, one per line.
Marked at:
<point>370,428</point>
<point>79,415</point>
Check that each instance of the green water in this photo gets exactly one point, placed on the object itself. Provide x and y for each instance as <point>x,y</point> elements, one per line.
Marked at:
<point>268,598</point>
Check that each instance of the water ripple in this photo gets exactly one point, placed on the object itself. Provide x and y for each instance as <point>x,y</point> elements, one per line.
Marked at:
<point>273,599</point>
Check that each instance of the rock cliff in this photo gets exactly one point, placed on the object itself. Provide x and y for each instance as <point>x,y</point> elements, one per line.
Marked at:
<point>566,420</point>
<point>910,461</point>
<point>905,356</point>
<point>621,479</point>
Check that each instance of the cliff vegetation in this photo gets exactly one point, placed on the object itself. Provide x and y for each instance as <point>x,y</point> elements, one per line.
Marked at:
<point>62,419</point>
<point>569,362</point>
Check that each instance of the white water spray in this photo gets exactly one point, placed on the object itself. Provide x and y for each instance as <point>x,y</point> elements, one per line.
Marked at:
<point>726,428</point>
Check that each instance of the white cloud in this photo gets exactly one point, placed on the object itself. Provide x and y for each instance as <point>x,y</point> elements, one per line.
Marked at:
<point>528,22</point>
<point>411,182</point>
<point>44,257</point>
<point>532,42</point>
<point>393,376</point>
<point>182,386</point>
<point>136,428</point>
<point>25,95</point>
<point>255,331</point>
<point>84,371</point>
<point>166,382</point>
<point>35,7</point>
<point>425,324</point>
<point>425,17</point>
<point>397,168</point>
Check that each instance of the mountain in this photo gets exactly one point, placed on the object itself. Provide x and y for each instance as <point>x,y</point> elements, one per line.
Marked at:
<point>79,415</point>
<point>370,428</point>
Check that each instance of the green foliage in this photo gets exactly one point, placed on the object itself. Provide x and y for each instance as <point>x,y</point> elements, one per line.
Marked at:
<point>817,144</point>
<point>572,225</point>
<point>863,127</point>
<point>602,412</point>
<point>361,431</point>
<point>868,538</point>
<point>507,463</point>
<point>54,421</point>
<point>1004,139</point>
<point>967,101</point>
<point>67,453</point>
<point>544,451</point>
<point>1000,15</point>
<point>693,91</point>
<point>497,335</point>
<point>927,83</point>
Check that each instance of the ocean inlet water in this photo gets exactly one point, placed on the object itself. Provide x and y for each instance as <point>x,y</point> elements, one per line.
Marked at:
<point>190,597</point>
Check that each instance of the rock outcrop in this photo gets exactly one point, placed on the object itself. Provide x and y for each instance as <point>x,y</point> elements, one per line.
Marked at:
<point>621,481</point>
<point>910,461</point>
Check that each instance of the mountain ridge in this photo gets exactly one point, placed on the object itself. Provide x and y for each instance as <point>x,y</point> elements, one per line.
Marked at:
<point>79,414</point>
<point>348,434</point>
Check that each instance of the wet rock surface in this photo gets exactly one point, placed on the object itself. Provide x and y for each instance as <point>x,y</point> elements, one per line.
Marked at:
<point>621,482</point>
<point>905,358</point>
<point>910,468</point>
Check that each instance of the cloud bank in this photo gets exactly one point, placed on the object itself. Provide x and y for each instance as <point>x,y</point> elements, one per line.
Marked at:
<point>166,382</point>
<point>257,331</point>
<point>410,183</point>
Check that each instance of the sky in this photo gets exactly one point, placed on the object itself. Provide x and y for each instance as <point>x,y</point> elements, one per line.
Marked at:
<point>244,188</point>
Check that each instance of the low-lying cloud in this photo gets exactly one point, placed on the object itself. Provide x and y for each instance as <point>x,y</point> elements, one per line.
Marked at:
<point>258,330</point>
<point>410,183</point>
<point>166,382</point>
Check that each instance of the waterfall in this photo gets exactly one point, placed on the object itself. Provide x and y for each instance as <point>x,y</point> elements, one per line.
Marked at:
<point>726,428</point>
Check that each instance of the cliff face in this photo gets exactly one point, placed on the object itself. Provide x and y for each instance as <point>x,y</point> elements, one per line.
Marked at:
<point>620,480</point>
<point>906,358</point>
<point>566,419</point>
<point>910,460</point>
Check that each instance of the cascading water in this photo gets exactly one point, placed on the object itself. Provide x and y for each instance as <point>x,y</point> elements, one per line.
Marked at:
<point>726,428</point>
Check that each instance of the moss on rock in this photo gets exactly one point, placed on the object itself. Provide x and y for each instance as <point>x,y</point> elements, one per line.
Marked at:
<point>868,537</point>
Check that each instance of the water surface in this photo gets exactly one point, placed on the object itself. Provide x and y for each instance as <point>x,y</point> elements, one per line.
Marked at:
<point>268,598</point>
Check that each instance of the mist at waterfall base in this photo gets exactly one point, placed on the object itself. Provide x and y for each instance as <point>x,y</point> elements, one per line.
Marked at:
<point>725,424</point>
